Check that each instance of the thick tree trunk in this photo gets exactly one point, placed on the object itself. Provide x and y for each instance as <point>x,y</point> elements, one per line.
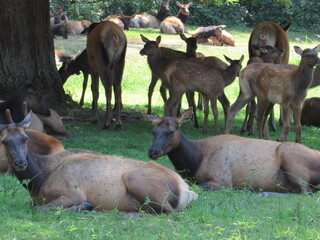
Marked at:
<point>27,49</point>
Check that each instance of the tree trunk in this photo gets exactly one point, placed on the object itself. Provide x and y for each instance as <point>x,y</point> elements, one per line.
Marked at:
<point>27,49</point>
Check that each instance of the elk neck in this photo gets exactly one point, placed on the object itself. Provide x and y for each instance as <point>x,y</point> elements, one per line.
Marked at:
<point>186,157</point>
<point>32,177</point>
<point>182,17</point>
<point>161,15</point>
<point>305,75</point>
<point>230,73</point>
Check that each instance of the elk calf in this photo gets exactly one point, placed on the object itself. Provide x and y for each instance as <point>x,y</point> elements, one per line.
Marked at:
<point>277,83</point>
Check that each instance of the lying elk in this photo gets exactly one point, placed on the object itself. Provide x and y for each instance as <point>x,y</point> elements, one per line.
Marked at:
<point>146,20</point>
<point>277,83</point>
<point>77,27</point>
<point>106,49</point>
<point>38,142</point>
<point>176,24</point>
<point>103,182</point>
<point>122,20</point>
<point>159,60</point>
<point>214,35</point>
<point>79,63</point>
<point>310,112</point>
<point>192,75</point>
<point>228,161</point>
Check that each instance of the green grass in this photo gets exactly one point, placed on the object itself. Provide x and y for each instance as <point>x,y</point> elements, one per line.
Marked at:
<point>225,214</point>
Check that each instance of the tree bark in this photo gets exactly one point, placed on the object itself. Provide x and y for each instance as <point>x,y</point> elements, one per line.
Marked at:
<point>27,49</point>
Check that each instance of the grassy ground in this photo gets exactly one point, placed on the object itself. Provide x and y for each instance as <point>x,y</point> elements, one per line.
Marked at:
<point>225,214</point>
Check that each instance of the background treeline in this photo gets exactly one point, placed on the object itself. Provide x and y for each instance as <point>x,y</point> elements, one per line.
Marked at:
<point>303,14</point>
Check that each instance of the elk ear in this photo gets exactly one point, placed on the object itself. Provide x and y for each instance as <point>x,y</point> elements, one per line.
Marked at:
<point>183,37</point>
<point>178,4</point>
<point>144,39</point>
<point>298,50</point>
<point>158,40</point>
<point>185,116</point>
<point>152,119</point>
<point>241,59</point>
<point>190,4</point>
<point>228,59</point>
<point>317,48</point>
<point>26,121</point>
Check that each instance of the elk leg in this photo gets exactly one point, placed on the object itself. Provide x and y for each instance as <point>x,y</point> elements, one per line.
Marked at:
<point>108,94</point>
<point>199,106</point>
<point>118,104</point>
<point>84,87</point>
<point>205,101</point>
<point>266,129</point>
<point>287,116</point>
<point>154,80</point>
<point>234,109</point>
<point>191,103</point>
<point>215,115</point>
<point>95,97</point>
<point>297,122</point>
<point>261,118</point>
<point>272,123</point>
<point>225,105</point>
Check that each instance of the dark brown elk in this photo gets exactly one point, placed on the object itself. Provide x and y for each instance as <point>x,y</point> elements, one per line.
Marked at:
<point>268,54</point>
<point>98,181</point>
<point>60,29</point>
<point>62,57</point>
<point>189,75</point>
<point>38,142</point>
<point>79,63</point>
<point>176,24</point>
<point>147,20</point>
<point>106,49</point>
<point>77,27</point>
<point>122,20</point>
<point>229,161</point>
<point>278,83</point>
<point>310,112</point>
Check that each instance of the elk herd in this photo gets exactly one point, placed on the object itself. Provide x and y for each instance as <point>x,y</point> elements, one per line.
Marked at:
<point>81,179</point>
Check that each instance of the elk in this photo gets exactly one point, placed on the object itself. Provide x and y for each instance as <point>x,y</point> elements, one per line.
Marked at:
<point>60,29</point>
<point>122,20</point>
<point>146,20</point>
<point>268,54</point>
<point>159,58</point>
<point>101,182</point>
<point>189,75</point>
<point>62,57</point>
<point>77,27</point>
<point>270,33</point>
<point>175,24</point>
<point>229,161</point>
<point>38,142</point>
<point>106,49</point>
<point>278,83</point>
<point>310,112</point>
<point>214,35</point>
<point>79,63</point>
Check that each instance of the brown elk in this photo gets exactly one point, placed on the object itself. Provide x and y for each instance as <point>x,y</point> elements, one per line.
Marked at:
<point>146,20</point>
<point>268,54</point>
<point>310,112</point>
<point>106,49</point>
<point>278,83</point>
<point>62,57</point>
<point>60,29</point>
<point>159,58</point>
<point>122,20</point>
<point>270,33</point>
<point>229,161</point>
<point>214,35</point>
<point>98,181</point>
<point>176,24</point>
<point>189,75</point>
<point>38,142</point>
<point>79,63</point>
<point>77,27</point>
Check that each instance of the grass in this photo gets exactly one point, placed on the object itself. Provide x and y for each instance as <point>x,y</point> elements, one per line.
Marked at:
<point>225,214</point>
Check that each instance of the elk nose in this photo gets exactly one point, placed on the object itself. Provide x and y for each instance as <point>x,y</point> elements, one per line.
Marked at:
<point>20,165</point>
<point>153,153</point>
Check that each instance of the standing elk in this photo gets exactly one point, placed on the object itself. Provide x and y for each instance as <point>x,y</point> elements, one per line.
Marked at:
<point>146,20</point>
<point>122,20</point>
<point>98,181</point>
<point>278,83</point>
<point>106,49</point>
<point>192,75</point>
<point>38,142</point>
<point>159,60</point>
<point>176,24</point>
<point>79,63</point>
<point>229,161</point>
<point>270,33</point>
